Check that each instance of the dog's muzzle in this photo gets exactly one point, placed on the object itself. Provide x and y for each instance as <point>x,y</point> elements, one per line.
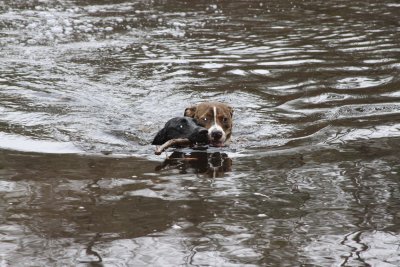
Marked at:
<point>199,136</point>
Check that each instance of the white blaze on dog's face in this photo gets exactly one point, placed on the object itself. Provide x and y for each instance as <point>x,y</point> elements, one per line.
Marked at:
<point>216,117</point>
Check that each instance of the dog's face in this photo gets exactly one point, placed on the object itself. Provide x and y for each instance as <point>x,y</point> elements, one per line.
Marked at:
<point>181,127</point>
<point>216,117</point>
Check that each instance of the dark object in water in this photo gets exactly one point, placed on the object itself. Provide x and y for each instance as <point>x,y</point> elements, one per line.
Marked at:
<point>180,132</point>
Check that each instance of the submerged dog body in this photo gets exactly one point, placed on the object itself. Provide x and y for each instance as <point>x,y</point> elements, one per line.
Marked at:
<point>216,117</point>
<point>181,128</point>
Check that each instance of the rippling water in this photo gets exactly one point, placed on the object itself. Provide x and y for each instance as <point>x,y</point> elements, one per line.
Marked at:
<point>311,177</point>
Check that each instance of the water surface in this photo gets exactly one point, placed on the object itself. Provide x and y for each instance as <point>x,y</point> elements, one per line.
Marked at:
<point>311,177</point>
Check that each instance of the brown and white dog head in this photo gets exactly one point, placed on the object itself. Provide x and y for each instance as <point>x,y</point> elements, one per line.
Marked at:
<point>216,117</point>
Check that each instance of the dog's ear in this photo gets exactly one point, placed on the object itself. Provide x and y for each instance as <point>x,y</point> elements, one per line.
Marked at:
<point>160,138</point>
<point>190,111</point>
<point>231,110</point>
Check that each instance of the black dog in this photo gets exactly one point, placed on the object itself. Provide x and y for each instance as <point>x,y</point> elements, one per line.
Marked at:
<point>182,127</point>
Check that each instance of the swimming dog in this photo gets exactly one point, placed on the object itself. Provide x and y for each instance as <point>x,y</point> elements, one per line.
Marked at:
<point>181,128</point>
<point>216,117</point>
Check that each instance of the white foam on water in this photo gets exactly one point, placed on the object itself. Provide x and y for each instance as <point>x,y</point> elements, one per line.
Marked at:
<point>238,72</point>
<point>22,143</point>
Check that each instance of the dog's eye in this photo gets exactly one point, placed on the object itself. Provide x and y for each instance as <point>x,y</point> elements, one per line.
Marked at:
<point>204,119</point>
<point>181,126</point>
<point>224,119</point>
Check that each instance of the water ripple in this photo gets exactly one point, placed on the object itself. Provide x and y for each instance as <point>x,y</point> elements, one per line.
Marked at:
<point>85,85</point>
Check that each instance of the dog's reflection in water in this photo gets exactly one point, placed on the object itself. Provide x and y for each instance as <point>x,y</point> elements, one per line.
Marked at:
<point>211,163</point>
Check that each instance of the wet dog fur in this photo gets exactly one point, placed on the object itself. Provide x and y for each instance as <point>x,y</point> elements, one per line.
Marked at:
<point>216,117</point>
<point>182,127</point>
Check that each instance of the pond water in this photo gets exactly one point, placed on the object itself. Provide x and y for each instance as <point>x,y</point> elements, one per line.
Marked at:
<point>311,177</point>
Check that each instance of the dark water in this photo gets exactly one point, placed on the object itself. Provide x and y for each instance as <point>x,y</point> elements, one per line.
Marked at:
<point>311,177</point>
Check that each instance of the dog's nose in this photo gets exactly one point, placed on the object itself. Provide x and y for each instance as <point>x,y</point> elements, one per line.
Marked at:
<point>200,135</point>
<point>216,135</point>
<point>203,131</point>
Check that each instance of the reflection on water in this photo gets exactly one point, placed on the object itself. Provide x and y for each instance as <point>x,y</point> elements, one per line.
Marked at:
<point>214,164</point>
<point>311,177</point>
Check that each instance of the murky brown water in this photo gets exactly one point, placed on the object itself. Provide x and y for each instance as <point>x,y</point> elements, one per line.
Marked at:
<point>312,175</point>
